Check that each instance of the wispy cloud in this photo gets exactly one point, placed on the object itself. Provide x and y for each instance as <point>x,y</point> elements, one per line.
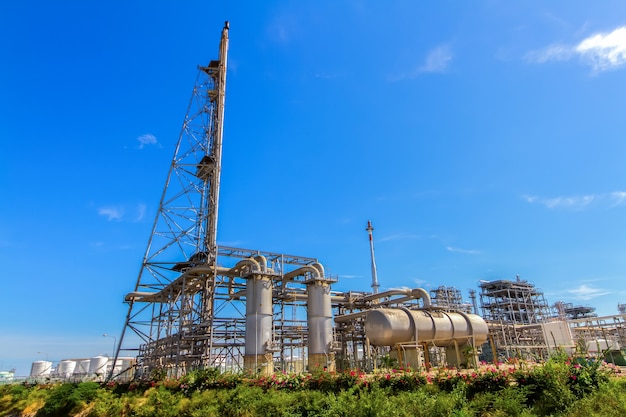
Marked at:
<point>437,60</point>
<point>555,52</point>
<point>141,212</point>
<point>580,202</point>
<point>147,139</point>
<point>601,51</point>
<point>463,251</point>
<point>111,213</point>
<point>587,292</point>
<point>118,213</point>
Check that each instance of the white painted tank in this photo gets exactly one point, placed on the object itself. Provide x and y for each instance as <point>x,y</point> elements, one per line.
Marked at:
<point>387,327</point>
<point>122,364</point>
<point>82,367</point>
<point>41,368</point>
<point>98,365</point>
<point>66,368</point>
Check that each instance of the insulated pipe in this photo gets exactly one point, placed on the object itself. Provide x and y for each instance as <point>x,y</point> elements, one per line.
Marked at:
<point>409,294</point>
<point>236,270</point>
<point>304,297</point>
<point>302,271</point>
<point>320,269</point>
<point>384,294</point>
<point>347,317</point>
<point>262,260</point>
<point>255,267</point>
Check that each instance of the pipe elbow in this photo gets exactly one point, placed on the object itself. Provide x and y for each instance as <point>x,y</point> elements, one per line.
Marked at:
<point>423,294</point>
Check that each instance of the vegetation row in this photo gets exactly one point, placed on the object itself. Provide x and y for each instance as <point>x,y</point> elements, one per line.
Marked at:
<point>560,387</point>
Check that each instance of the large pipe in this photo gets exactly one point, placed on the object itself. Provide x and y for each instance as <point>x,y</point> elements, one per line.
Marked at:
<point>302,270</point>
<point>409,294</point>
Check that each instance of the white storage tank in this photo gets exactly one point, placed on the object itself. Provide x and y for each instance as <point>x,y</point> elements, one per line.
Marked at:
<point>41,368</point>
<point>98,365</point>
<point>66,368</point>
<point>82,366</point>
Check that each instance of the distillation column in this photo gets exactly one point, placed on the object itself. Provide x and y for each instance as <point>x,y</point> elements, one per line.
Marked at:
<point>259,309</point>
<point>320,326</point>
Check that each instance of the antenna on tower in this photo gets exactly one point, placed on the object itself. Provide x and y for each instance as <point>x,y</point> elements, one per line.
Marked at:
<point>369,230</point>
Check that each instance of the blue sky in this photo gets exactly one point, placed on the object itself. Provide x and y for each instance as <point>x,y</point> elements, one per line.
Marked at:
<point>483,139</point>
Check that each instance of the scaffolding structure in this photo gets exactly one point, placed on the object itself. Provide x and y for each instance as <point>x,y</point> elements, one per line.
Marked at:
<point>569,311</point>
<point>449,299</point>
<point>597,335</point>
<point>515,302</point>
<point>515,311</point>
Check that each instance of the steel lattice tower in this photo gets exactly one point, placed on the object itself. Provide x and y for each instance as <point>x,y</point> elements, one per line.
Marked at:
<point>172,305</point>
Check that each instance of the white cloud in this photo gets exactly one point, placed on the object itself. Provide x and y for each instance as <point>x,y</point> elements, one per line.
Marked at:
<point>147,139</point>
<point>587,292</point>
<point>601,51</point>
<point>604,51</point>
<point>111,213</point>
<point>141,212</point>
<point>437,60</point>
<point>118,213</point>
<point>550,53</point>
<point>581,202</point>
<point>463,251</point>
<point>618,197</point>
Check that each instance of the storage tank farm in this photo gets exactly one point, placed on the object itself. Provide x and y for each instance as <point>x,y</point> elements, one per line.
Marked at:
<point>197,304</point>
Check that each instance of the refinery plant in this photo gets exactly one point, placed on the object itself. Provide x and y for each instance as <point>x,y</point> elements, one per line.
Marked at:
<point>196,304</point>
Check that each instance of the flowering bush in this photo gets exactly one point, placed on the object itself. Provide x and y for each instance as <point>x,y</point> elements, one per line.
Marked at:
<point>400,380</point>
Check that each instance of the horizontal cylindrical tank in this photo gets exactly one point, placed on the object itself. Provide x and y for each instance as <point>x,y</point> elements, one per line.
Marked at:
<point>41,368</point>
<point>387,327</point>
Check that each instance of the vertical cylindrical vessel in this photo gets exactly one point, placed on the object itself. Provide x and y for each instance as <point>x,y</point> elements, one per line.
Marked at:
<point>258,323</point>
<point>320,327</point>
<point>98,365</point>
<point>41,368</point>
<point>66,368</point>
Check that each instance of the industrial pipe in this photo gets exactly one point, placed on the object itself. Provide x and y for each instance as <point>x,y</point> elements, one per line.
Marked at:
<point>301,271</point>
<point>409,294</point>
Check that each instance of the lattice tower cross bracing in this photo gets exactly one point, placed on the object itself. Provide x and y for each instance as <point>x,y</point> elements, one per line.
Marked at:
<point>171,307</point>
